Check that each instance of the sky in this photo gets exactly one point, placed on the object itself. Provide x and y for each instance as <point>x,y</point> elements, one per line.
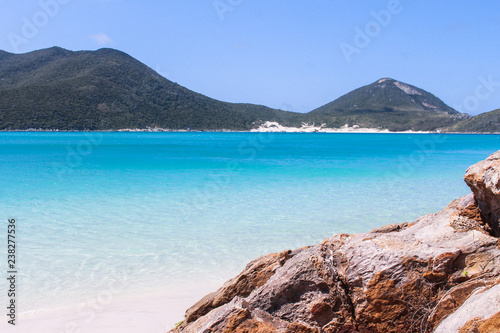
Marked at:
<point>286,54</point>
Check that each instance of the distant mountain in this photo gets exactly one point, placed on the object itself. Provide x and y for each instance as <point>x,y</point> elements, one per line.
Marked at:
<point>390,104</point>
<point>488,122</point>
<point>107,89</point>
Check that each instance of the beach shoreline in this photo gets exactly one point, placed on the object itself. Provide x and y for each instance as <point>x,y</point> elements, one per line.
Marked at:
<point>286,130</point>
<point>341,130</point>
<point>153,312</point>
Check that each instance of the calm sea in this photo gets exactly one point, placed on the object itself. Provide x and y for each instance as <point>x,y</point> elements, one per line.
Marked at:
<point>139,212</point>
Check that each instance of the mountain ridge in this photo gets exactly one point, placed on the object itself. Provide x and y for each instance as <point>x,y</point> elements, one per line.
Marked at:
<point>487,122</point>
<point>389,103</point>
<point>344,102</point>
<point>107,89</point>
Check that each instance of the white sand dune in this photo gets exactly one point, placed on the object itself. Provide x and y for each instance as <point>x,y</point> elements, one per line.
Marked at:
<point>271,126</point>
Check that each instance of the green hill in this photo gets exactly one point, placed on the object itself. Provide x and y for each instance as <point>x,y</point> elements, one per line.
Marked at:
<point>390,104</point>
<point>488,122</point>
<point>107,89</point>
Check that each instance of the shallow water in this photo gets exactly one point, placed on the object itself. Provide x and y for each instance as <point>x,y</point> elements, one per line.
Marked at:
<point>136,212</point>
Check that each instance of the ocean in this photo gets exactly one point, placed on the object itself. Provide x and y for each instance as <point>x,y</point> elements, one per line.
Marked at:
<point>135,213</point>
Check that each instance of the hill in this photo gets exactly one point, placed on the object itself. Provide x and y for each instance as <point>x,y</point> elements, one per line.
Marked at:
<point>108,89</point>
<point>488,122</point>
<point>390,104</point>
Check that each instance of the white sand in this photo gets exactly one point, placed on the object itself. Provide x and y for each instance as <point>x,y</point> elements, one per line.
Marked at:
<point>132,314</point>
<point>270,126</point>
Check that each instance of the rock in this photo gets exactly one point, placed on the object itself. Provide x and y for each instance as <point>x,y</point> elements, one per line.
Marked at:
<point>484,180</point>
<point>390,228</point>
<point>236,316</point>
<point>482,304</point>
<point>456,296</point>
<point>438,274</point>
<point>255,274</point>
<point>490,325</point>
<point>386,228</point>
<point>309,288</point>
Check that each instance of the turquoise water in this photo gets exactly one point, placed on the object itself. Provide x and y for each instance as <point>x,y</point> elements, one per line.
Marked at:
<point>139,212</point>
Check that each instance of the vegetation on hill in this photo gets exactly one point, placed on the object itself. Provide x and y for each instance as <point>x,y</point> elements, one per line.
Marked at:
<point>389,104</point>
<point>488,122</point>
<point>108,90</point>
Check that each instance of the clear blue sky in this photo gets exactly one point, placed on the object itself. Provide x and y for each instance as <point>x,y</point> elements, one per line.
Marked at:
<point>288,54</point>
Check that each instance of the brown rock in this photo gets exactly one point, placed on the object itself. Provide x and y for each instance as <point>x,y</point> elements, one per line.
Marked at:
<point>255,274</point>
<point>455,297</point>
<point>481,304</point>
<point>307,289</point>
<point>469,218</point>
<point>386,228</point>
<point>484,180</point>
<point>321,312</point>
<point>476,325</point>
<point>472,212</point>
<point>394,227</point>
<point>385,303</point>
<point>235,316</point>
<point>444,262</point>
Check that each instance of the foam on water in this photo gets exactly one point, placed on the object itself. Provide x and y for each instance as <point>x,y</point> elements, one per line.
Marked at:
<point>137,212</point>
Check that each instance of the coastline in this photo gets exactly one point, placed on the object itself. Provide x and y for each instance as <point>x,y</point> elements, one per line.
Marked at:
<point>266,128</point>
<point>293,130</point>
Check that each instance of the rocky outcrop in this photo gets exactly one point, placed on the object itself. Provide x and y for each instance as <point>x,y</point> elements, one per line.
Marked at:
<point>484,180</point>
<point>479,313</point>
<point>440,273</point>
<point>255,274</point>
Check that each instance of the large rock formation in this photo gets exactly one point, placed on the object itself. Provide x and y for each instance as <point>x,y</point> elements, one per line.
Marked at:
<point>484,180</point>
<point>440,273</point>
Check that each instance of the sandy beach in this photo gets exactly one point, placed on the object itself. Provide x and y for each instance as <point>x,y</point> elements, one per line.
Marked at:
<point>156,313</point>
<point>270,126</point>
